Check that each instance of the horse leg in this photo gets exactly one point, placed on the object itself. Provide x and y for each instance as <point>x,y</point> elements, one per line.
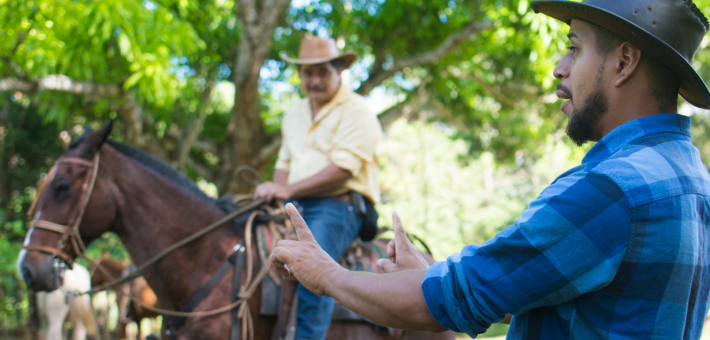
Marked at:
<point>83,317</point>
<point>55,310</point>
<point>122,330</point>
<point>139,336</point>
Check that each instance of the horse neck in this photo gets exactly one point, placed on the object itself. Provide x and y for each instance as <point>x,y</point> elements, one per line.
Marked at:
<point>154,214</point>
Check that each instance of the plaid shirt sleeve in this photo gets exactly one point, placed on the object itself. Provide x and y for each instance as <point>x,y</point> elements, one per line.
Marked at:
<point>571,240</point>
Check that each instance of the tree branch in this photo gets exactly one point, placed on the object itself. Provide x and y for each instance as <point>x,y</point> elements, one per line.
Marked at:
<point>412,103</point>
<point>444,112</point>
<point>206,146</point>
<point>268,151</point>
<point>202,170</point>
<point>61,83</point>
<point>442,50</point>
<point>192,131</point>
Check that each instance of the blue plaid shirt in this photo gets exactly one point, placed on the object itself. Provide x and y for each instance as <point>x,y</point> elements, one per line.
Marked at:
<point>616,248</point>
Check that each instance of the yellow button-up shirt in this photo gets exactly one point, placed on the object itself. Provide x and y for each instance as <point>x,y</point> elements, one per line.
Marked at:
<point>345,132</point>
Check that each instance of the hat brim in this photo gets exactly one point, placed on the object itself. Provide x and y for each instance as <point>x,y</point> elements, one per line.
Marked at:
<point>693,87</point>
<point>347,57</point>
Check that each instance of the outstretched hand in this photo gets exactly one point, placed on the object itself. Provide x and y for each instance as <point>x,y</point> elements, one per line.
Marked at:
<point>304,260</point>
<point>402,253</point>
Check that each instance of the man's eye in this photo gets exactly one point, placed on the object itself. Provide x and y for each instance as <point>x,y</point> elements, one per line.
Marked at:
<point>573,49</point>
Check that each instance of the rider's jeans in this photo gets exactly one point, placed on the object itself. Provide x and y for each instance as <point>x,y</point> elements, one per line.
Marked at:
<point>334,225</point>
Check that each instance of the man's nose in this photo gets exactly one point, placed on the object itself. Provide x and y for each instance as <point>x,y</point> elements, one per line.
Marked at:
<point>561,71</point>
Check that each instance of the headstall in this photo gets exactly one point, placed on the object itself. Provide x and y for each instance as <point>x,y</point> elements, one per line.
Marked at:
<point>70,231</point>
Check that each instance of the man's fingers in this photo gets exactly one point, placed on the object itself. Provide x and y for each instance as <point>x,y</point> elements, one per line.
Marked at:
<point>400,236</point>
<point>280,256</point>
<point>304,234</point>
<point>387,265</point>
<point>287,243</point>
<point>391,250</point>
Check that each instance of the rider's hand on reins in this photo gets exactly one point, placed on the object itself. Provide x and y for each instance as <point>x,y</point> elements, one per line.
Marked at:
<point>304,260</point>
<point>271,190</point>
<point>402,253</point>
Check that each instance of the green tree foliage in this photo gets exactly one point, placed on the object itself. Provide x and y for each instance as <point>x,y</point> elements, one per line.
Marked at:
<point>200,84</point>
<point>27,150</point>
<point>491,87</point>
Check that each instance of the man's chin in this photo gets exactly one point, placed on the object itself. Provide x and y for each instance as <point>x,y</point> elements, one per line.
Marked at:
<point>567,108</point>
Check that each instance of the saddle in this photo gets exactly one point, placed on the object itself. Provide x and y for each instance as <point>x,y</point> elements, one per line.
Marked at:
<point>278,296</point>
<point>264,227</point>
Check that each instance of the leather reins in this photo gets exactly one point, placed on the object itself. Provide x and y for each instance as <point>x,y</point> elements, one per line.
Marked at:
<point>70,231</point>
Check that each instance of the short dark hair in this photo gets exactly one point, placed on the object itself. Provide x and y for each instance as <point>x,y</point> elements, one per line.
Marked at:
<point>663,79</point>
<point>606,41</point>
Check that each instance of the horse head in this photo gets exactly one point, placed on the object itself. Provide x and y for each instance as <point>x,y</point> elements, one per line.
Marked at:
<point>74,205</point>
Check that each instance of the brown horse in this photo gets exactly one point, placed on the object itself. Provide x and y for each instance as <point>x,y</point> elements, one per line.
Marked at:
<point>150,206</point>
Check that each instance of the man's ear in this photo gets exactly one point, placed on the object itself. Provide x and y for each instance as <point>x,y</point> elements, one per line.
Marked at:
<point>93,142</point>
<point>628,59</point>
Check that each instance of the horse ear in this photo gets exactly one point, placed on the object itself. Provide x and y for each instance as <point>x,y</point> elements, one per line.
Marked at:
<point>93,142</point>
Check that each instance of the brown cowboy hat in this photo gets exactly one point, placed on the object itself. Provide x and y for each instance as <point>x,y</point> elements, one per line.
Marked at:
<point>669,31</point>
<point>316,50</point>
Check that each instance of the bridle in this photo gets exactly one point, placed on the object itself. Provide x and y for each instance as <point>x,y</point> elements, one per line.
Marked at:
<point>70,231</point>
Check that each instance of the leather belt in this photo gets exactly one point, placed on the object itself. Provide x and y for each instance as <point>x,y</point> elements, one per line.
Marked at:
<point>344,198</point>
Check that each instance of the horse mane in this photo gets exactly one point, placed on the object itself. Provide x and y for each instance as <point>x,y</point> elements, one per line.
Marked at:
<point>162,168</point>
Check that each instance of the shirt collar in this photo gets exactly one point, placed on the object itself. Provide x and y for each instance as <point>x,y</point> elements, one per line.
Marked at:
<point>635,129</point>
<point>341,95</point>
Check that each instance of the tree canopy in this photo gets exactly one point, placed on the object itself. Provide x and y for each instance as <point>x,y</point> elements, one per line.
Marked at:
<point>200,84</point>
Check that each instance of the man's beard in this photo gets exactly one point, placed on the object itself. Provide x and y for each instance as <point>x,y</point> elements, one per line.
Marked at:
<point>583,122</point>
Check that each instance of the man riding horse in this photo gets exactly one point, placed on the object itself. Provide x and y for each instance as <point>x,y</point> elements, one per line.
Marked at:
<point>616,248</point>
<point>326,165</point>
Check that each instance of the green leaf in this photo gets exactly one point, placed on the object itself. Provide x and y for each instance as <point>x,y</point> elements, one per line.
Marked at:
<point>132,80</point>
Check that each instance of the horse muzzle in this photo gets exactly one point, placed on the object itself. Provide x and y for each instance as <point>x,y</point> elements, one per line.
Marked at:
<point>41,272</point>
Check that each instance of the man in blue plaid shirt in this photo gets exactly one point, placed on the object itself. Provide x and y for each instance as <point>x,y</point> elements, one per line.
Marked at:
<point>615,248</point>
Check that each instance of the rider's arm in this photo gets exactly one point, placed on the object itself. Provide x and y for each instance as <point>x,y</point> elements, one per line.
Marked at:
<point>281,177</point>
<point>328,179</point>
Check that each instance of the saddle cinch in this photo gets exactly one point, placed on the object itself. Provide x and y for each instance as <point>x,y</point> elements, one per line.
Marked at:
<point>264,227</point>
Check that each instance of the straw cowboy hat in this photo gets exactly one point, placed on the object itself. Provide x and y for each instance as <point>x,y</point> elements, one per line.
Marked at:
<point>316,50</point>
<point>669,31</point>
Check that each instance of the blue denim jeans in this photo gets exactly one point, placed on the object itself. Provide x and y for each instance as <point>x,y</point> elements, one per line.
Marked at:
<point>334,225</point>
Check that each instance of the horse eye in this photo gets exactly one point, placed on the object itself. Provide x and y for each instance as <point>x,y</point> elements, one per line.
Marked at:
<point>62,188</point>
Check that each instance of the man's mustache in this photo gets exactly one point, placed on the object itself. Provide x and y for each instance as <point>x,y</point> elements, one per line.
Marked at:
<point>315,88</point>
<point>565,89</point>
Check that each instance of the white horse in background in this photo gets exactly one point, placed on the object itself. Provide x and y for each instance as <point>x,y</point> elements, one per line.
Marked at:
<point>56,307</point>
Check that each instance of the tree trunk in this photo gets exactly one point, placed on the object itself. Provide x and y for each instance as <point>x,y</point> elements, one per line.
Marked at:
<point>246,136</point>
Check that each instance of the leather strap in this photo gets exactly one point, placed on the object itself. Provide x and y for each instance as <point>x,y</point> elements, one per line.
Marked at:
<point>236,284</point>
<point>53,251</point>
<point>70,231</point>
<point>179,321</point>
<point>51,226</point>
<point>75,160</point>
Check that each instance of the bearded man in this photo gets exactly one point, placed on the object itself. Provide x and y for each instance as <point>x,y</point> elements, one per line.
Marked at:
<point>615,248</point>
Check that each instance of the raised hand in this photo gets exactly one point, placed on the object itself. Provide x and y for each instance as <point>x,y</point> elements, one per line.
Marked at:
<point>304,260</point>
<point>402,253</point>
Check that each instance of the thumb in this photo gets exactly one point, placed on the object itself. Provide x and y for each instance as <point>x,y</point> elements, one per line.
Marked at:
<point>304,234</point>
<point>387,265</point>
<point>400,236</point>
